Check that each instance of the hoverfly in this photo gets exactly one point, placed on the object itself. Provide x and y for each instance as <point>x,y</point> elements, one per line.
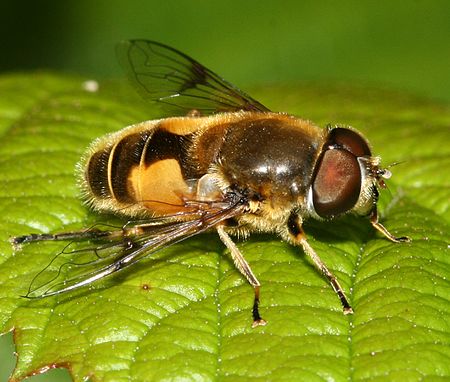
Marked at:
<point>227,164</point>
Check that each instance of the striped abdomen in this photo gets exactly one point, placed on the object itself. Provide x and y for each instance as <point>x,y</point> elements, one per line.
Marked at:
<point>141,169</point>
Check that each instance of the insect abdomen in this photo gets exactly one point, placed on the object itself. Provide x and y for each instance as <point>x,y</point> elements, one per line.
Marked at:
<point>108,169</point>
<point>137,170</point>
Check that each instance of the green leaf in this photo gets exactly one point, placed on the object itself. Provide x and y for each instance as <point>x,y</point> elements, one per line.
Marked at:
<point>185,313</point>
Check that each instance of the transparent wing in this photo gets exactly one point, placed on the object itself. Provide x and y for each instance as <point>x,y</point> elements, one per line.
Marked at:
<point>94,254</point>
<point>163,74</point>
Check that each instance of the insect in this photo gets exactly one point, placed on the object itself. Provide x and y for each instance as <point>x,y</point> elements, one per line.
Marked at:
<point>227,164</point>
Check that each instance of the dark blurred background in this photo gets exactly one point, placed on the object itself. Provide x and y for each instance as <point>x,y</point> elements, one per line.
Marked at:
<point>402,45</point>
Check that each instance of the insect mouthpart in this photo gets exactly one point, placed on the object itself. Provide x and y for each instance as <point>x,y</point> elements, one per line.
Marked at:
<point>381,175</point>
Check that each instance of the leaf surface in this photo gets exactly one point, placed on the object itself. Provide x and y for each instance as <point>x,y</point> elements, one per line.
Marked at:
<point>185,312</point>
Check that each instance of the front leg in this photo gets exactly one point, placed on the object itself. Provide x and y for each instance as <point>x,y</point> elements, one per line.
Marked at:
<point>381,228</point>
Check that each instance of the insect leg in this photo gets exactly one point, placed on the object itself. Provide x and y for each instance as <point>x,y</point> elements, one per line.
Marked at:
<point>245,270</point>
<point>381,228</point>
<point>298,236</point>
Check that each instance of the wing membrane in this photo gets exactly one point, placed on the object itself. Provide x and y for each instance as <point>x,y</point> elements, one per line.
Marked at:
<point>85,261</point>
<point>175,80</point>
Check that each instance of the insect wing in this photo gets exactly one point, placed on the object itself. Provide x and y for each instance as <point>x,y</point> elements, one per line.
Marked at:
<point>75,265</point>
<point>83,262</point>
<point>178,82</point>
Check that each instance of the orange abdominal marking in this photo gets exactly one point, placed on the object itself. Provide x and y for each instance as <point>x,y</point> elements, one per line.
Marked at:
<point>161,182</point>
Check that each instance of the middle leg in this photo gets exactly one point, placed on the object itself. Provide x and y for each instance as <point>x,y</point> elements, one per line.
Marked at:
<point>243,267</point>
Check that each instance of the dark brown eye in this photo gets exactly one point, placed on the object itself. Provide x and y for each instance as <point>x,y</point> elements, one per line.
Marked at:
<point>350,141</point>
<point>337,183</point>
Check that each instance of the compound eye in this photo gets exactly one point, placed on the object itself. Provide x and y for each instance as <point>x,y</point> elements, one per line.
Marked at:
<point>337,184</point>
<point>350,141</point>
